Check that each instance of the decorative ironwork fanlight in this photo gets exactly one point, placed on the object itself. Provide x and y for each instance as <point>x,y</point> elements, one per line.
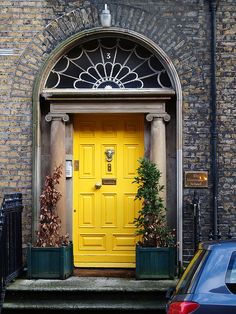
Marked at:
<point>108,63</point>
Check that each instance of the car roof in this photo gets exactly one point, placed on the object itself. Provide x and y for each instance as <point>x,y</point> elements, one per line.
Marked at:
<point>220,244</point>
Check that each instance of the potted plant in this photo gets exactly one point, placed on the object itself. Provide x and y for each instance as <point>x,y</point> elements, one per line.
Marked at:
<point>155,251</point>
<point>52,255</point>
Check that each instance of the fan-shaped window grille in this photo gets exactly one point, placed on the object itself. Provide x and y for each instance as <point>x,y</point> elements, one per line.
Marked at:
<point>108,63</point>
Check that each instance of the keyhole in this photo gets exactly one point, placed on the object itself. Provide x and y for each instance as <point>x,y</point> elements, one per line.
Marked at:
<point>109,167</point>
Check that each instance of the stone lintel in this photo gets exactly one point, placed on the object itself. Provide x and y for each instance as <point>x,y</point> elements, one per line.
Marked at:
<point>71,93</point>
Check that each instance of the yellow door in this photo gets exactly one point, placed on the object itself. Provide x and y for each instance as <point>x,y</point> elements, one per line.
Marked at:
<point>106,149</point>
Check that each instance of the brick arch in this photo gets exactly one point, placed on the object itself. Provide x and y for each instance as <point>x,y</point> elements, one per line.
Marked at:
<point>125,17</point>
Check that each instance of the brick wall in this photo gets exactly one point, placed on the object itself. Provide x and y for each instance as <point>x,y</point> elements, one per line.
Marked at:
<point>226,91</point>
<point>181,28</point>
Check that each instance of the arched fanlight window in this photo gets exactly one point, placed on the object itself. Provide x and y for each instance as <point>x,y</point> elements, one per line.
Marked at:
<point>108,63</point>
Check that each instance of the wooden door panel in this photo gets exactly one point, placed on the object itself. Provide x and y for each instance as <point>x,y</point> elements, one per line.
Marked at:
<point>87,210</point>
<point>131,151</point>
<point>123,242</point>
<point>109,210</point>
<point>109,130</point>
<point>131,129</point>
<point>92,242</point>
<point>87,161</point>
<point>130,210</point>
<point>87,129</point>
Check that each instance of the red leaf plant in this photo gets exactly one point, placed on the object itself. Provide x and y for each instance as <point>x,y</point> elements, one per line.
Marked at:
<point>48,234</point>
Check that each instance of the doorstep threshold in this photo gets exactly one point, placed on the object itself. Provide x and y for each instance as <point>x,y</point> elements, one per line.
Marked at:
<point>75,283</point>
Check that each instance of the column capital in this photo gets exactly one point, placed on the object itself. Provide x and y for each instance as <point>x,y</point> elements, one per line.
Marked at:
<point>153,116</point>
<point>57,116</point>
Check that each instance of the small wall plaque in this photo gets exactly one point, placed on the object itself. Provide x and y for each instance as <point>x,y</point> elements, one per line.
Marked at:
<point>69,169</point>
<point>196,179</point>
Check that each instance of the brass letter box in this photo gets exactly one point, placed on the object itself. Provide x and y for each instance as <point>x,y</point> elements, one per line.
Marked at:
<point>109,181</point>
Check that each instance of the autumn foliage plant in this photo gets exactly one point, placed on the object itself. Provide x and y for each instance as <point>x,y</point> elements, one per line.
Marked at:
<point>151,223</point>
<point>48,233</point>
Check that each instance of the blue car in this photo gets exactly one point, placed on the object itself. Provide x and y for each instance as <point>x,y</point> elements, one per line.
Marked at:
<point>208,285</point>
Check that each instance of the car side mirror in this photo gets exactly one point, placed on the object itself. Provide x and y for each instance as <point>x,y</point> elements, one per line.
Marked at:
<point>170,293</point>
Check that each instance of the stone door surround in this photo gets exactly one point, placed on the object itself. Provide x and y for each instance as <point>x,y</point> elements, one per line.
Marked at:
<point>64,102</point>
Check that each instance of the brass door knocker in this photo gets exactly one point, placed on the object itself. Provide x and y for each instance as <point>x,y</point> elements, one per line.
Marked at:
<point>109,154</point>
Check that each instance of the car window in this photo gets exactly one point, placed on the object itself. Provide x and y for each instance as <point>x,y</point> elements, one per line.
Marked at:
<point>191,272</point>
<point>230,279</point>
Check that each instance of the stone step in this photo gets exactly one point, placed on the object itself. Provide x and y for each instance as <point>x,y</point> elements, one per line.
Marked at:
<point>87,295</point>
<point>80,311</point>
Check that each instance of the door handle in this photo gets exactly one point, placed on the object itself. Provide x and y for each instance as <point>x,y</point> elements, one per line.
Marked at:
<point>98,185</point>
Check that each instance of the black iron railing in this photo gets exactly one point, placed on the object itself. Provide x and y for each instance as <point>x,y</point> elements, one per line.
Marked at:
<point>220,235</point>
<point>197,231</point>
<point>10,240</point>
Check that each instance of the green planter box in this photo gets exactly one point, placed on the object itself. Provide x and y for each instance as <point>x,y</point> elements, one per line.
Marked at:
<point>50,262</point>
<point>155,263</point>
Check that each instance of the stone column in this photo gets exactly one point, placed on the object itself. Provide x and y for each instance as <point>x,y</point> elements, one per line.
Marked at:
<point>158,144</point>
<point>58,157</point>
